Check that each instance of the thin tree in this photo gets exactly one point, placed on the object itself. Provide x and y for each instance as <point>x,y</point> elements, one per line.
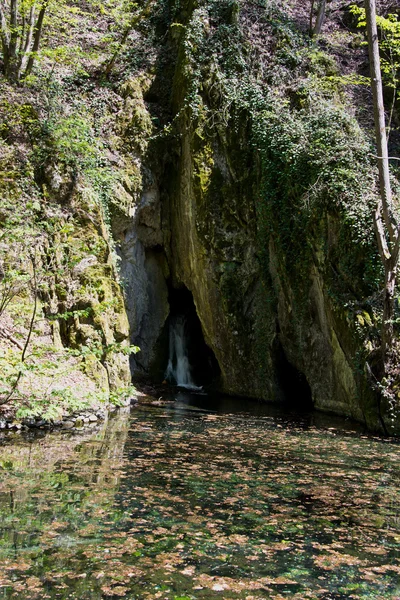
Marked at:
<point>315,29</point>
<point>14,386</point>
<point>136,18</point>
<point>21,28</point>
<point>386,224</point>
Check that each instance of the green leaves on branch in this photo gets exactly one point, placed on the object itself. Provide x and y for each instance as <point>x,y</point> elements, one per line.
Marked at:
<point>101,351</point>
<point>389,45</point>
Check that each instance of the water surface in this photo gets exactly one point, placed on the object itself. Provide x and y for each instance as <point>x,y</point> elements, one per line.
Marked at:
<point>185,502</point>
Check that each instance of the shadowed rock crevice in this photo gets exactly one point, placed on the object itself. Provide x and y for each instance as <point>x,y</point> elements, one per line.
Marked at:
<point>293,383</point>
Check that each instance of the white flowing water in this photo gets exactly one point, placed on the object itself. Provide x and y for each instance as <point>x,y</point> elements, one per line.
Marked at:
<point>178,369</point>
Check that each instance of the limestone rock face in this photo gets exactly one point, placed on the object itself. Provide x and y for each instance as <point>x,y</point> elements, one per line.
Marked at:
<point>196,221</point>
<point>87,294</point>
<point>136,224</point>
<point>143,271</point>
<point>252,316</point>
<point>198,226</point>
<point>315,339</point>
<point>213,253</point>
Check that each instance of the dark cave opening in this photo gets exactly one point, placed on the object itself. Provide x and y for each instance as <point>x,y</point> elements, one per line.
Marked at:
<point>293,383</point>
<point>184,322</point>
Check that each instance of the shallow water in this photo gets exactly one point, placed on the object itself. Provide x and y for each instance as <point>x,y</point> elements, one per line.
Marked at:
<point>203,501</point>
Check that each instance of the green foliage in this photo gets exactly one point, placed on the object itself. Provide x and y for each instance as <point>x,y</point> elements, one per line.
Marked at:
<point>389,45</point>
<point>101,351</point>
<point>312,157</point>
<point>54,406</point>
<point>66,28</point>
<point>121,396</point>
<point>31,221</point>
<point>71,142</point>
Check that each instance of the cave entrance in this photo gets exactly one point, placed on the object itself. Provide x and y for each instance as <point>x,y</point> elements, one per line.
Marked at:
<point>293,383</point>
<point>191,363</point>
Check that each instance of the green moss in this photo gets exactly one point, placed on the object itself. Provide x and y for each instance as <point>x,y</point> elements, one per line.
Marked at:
<point>203,162</point>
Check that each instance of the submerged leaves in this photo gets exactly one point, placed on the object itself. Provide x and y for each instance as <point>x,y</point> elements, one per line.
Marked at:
<point>193,505</point>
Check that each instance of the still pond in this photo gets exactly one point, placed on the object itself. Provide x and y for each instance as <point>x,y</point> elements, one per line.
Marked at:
<point>185,500</point>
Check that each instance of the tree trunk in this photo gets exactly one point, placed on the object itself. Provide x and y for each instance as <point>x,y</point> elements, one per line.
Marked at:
<point>387,231</point>
<point>27,44</point>
<point>12,57</point>
<point>37,38</point>
<point>320,18</point>
<point>5,38</point>
<point>310,29</point>
<point>379,116</point>
<point>388,307</point>
<point>114,57</point>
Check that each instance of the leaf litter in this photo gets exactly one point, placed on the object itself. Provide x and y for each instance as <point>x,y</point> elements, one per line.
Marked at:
<point>199,506</point>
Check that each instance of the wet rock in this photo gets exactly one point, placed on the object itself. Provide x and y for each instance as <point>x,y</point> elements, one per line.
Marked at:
<point>68,424</point>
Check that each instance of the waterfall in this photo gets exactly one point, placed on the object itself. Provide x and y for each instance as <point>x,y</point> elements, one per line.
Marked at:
<point>178,369</point>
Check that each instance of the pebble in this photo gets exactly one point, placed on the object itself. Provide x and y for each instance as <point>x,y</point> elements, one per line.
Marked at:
<point>79,421</point>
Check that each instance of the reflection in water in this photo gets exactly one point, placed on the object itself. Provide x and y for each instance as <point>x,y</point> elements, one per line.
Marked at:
<point>187,502</point>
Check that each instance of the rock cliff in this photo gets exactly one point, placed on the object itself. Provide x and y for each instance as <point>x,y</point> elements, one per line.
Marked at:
<point>239,208</point>
<point>227,174</point>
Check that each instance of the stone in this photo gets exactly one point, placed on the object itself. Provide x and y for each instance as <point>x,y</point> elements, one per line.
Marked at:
<point>85,263</point>
<point>199,228</point>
